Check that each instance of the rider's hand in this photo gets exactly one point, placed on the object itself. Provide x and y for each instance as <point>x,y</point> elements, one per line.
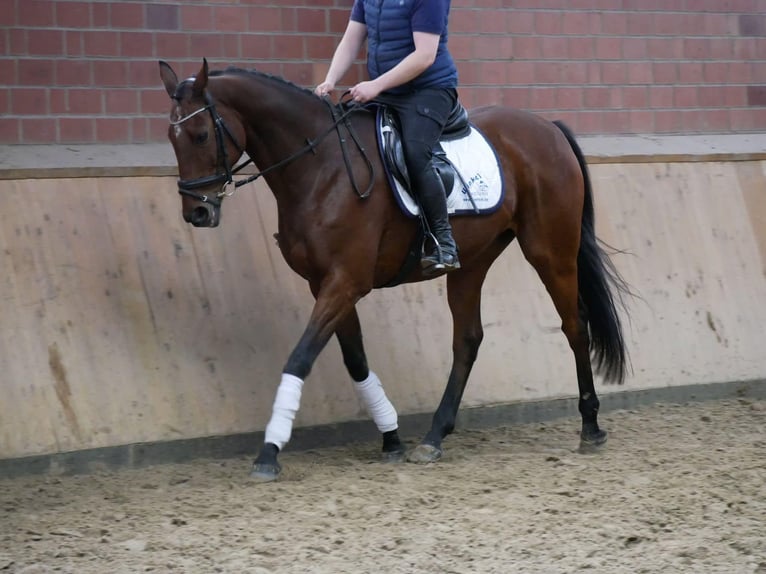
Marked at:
<point>364,91</point>
<point>324,88</point>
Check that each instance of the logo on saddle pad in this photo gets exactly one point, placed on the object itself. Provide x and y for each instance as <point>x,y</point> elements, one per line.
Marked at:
<point>464,159</point>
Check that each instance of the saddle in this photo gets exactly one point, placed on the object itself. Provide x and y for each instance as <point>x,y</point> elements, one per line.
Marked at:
<point>457,126</point>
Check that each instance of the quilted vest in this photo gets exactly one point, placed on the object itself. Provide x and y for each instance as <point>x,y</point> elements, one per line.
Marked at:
<point>389,41</point>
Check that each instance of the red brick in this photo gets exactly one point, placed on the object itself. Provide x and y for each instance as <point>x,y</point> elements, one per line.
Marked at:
<point>665,48</point>
<point>136,44</point>
<point>9,71</point>
<point>576,73</point>
<point>101,43</point>
<point>171,45</point>
<point>73,14</point>
<point>696,48</point>
<point>154,101</point>
<point>464,22</point>
<point>108,73</point>
<point>57,101</point>
<point>196,18</point>
<point>7,14</point>
<point>29,101</point>
<point>616,121</point>
<point>613,73</point>
<point>37,72</point>
<point>139,130</point>
<point>735,96</point>
<point>87,101</point>
<point>162,17</point>
<point>518,22</point>
<point>756,96</point>
<point>5,101</point>
<point>608,48</point>
<point>45,42</point>
<point>157,130</point>
<point>311,20</point>
<point>743,72</point>
<point>230,18</point>
<point>641,122</point>
<point>122,101</point>
<point>599,97</point>
<point>716,72</point>
<point>581,48</point>
<point>690,72</point>
<point>286,47</point>
<point>555,48</point>
<point>489,22</point>
<point>548,23</point>
<point>614,23</point>
<point>639,72</point>
<point>297,73</point>
<point>10,130</point>
<point>204,45</point>
<point>750,120</point>
<point>685,97</point>
<point>590,123</point>
<point>39,131</point>
<point>144,73</point>
<point>634,48</point>
<point>73,73</point>
<point>17,42</point>
<point>640,24</point>
<point>38,13</point>
<point>488,96</point>
<point>520,98</point>
<point>124,15</point>
<point>661,96</point>
<point>338,20</point>
<point>230,44</point>
<point>100,14</point>
<point>593,73</point>
<point>113,130</point>
<point>76,130</point>
<point>569,98</point>
<point>576,23</point>
<point>665,72</point>
<point>635,97</point>
<point>527,47</point>
<point>74,43</point>
<point>541,98</point>
<point>320,47</point>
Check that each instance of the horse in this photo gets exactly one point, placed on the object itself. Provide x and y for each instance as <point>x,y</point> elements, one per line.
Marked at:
<point>327,193</point>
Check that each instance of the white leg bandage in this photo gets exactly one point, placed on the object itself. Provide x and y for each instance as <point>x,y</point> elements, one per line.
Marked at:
<point>286,404</point>
<point>376,402</point>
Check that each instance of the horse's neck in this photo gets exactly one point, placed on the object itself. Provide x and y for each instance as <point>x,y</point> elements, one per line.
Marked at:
<point>279,118</point>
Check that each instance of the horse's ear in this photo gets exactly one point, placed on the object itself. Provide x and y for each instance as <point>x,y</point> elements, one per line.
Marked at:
<point>200,80</point>
<point>169,78</point>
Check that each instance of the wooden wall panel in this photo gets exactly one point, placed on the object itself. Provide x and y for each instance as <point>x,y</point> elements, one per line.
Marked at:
<point>119,323</point>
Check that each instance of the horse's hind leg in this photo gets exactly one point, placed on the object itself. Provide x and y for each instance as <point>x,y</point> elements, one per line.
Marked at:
<point>464,297</point>
<point>368,387</point>
<point>556,264</point>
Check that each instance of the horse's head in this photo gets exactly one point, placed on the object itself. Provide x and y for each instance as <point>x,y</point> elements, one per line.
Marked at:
<point>206,139</point>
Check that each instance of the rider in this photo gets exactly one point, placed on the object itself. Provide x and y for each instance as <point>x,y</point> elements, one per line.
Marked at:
<point>412,72</point>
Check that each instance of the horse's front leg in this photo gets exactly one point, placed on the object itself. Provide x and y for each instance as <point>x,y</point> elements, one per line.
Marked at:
<point>334,300</point>
<point>368,386</point>
<point>464,297</point>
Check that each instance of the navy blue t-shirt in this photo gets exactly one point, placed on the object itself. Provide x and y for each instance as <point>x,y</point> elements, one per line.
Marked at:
<point>427,15</point>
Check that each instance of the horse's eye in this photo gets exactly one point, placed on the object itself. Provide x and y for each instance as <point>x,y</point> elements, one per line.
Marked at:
<point>200,138</point>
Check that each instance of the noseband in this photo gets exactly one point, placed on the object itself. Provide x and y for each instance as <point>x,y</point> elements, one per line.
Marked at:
<point>188,187</point>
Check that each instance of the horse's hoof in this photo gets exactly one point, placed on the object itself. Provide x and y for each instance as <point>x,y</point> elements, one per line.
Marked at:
<point>392,456</point>
<point>265,472</point>
<point>425,453</point>
<point>592,442</point>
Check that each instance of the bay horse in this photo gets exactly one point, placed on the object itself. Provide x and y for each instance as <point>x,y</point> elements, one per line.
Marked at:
<point>341,229</point>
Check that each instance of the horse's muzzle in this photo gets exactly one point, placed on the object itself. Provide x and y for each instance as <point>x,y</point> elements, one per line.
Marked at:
<point>203,216</point>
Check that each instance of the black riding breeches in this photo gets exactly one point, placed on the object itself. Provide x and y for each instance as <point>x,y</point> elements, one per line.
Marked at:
<point>422,117</point>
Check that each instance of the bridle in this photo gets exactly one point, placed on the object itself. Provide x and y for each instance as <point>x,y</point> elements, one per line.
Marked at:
<point>188,187</point>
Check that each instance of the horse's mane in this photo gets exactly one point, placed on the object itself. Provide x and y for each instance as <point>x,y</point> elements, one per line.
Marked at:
<point>233,70</point>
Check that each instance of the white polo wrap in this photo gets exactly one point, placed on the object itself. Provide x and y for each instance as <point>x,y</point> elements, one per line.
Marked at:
<point>286,404</point>
<point>376,402</point>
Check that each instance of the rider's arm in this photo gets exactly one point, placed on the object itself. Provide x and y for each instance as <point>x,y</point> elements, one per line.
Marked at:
<point>346,52</point>
<point>417,62</point>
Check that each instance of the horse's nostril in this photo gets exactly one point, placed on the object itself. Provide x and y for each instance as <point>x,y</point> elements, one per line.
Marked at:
<point>200,217</point>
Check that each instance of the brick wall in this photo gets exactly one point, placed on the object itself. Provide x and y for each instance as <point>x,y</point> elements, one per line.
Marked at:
<point>78,72</point>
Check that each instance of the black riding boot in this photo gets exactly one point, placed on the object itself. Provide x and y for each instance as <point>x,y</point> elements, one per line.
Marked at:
<point>440,250</point>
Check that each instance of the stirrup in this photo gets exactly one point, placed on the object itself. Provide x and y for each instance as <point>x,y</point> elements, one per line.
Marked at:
<point>438,260</point>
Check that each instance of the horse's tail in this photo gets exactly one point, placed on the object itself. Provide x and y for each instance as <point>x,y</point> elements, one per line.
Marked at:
<point>599,284</point>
